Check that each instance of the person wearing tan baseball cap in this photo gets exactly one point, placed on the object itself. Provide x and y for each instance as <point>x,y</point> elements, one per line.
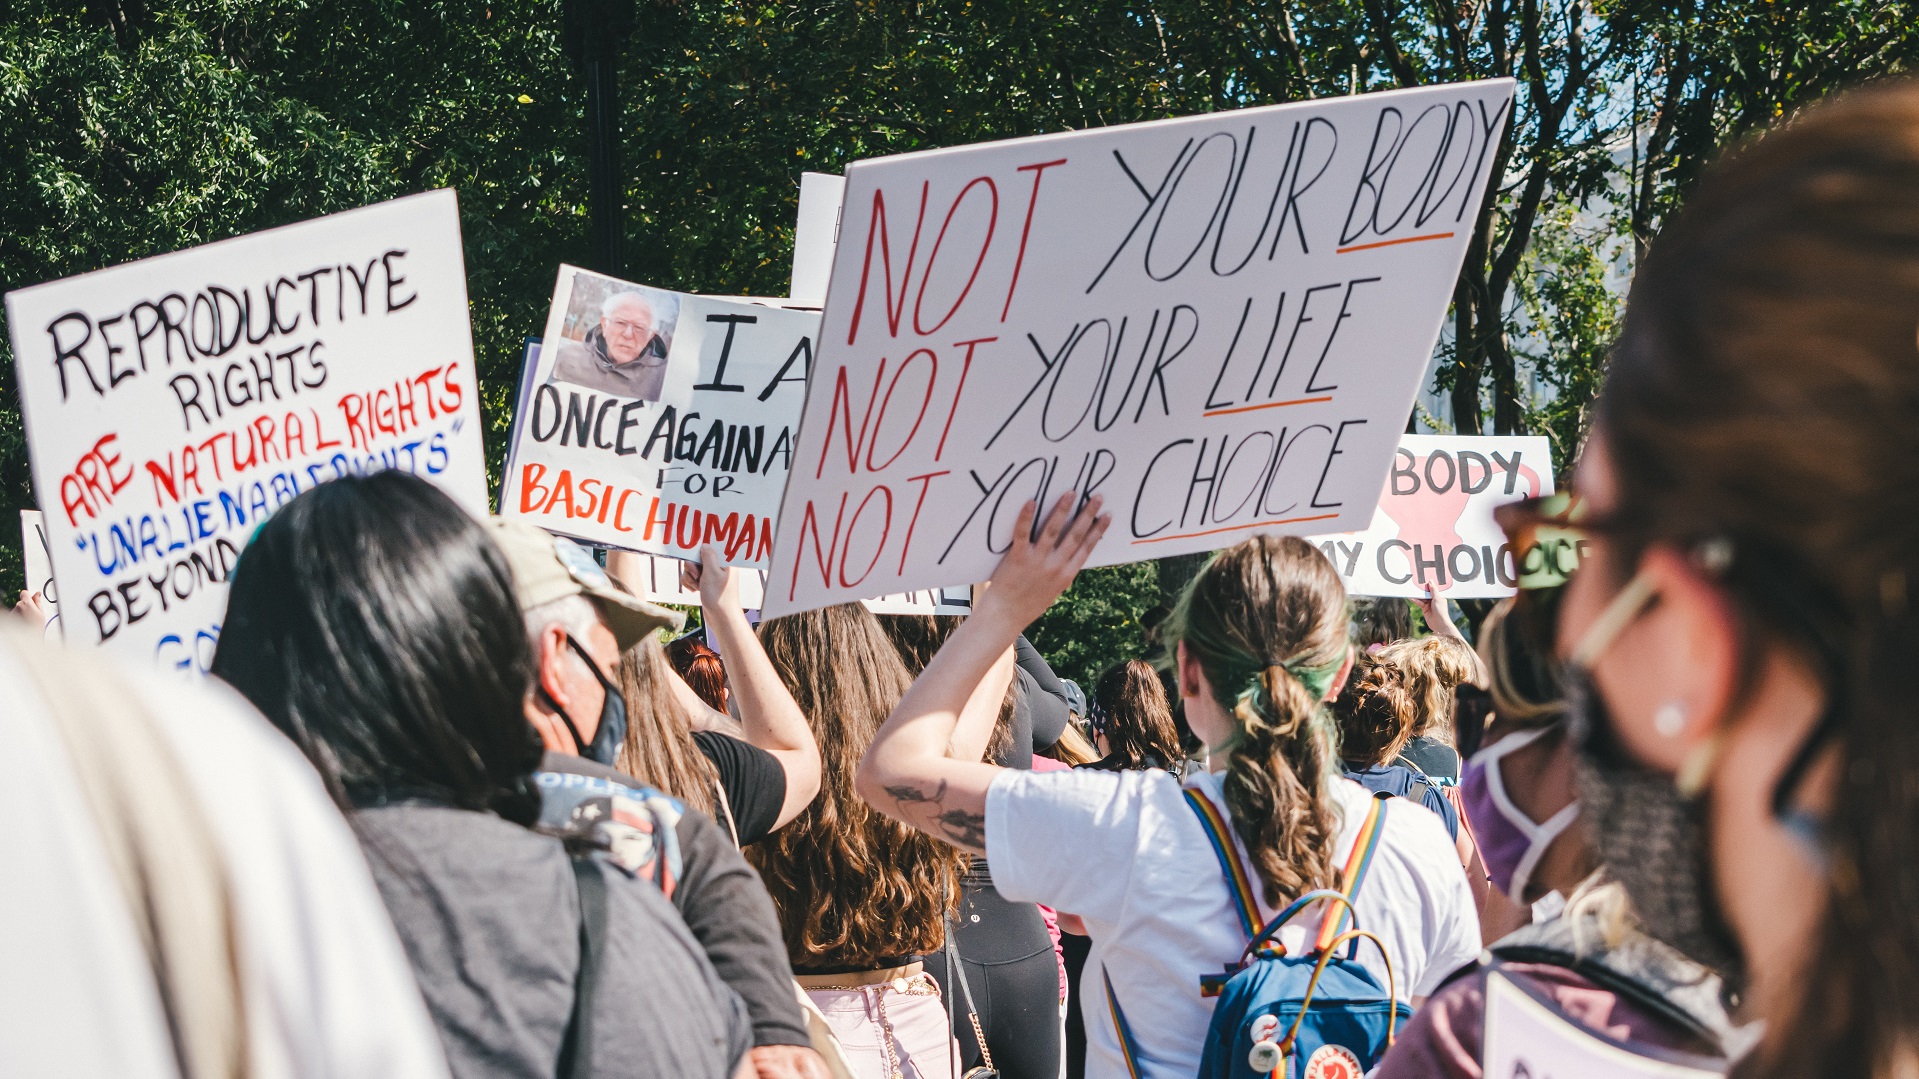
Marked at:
<point>579,622</point>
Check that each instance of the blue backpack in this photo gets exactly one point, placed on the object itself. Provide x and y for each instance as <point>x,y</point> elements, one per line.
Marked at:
<point>1313,1016</point>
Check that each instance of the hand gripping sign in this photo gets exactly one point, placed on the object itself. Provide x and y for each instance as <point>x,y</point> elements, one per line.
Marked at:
<point>1217,323</point>
<point>172,404</point>
<point>1434,525</point>
<point>658,421</point>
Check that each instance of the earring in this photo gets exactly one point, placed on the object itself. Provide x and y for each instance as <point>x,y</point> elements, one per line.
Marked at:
<point>1669,720</point>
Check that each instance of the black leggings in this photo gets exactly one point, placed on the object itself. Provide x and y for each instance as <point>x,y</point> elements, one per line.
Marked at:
<point>1015,980</point>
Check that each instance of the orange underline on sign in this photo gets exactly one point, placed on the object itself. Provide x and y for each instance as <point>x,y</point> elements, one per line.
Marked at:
<point>1269,404</point>
<point>1237,528</point>
<point>1389,243</point>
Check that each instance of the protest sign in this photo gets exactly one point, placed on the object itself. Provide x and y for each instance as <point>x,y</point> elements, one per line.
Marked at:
<point>171,404</point>
<point>814,235</point>
<point>1218,323</point>
<point>659,421</point>
<point>33,542</point>
<point>957,601</point>
<point>1527,1039</point>
<point>1434,523</point>
<point>657,578</point>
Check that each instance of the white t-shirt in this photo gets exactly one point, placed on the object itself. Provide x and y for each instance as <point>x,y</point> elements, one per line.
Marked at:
<point>328,991</point>
<point>1127,854</point>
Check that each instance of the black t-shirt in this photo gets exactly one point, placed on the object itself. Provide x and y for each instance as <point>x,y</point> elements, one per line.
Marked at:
<point>753,779</point>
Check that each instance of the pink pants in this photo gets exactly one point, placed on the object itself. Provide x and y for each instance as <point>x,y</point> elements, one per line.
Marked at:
<point>894,1030</point>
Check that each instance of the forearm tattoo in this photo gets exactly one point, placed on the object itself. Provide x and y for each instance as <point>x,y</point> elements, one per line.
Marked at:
<point>957,826</point>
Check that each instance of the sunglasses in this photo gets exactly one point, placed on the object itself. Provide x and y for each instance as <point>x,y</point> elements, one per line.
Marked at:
<point>1550,538</point>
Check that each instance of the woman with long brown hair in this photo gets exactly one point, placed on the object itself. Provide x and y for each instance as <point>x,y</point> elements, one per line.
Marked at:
<point>863,900</point>
<point>752,774</point>
<point>1260,644</point>
<point>1743,623</point>
<point>1132,723</point>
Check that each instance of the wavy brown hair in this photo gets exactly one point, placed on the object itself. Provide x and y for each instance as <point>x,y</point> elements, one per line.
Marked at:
<point>1270,603</point>
<point>853,889</point>
<point>1135,717</point>
<point>659,747</point>
<point>1431,669</point>
<point>1375,711</point>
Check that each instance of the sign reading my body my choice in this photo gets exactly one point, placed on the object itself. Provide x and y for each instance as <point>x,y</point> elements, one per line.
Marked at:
<point>172,404</point>
<point>659,421</point>
<point>1218,323</point>
<point>1434,527</point>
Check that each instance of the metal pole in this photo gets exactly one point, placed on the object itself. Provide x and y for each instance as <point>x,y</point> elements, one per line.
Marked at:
<point>594,32</point>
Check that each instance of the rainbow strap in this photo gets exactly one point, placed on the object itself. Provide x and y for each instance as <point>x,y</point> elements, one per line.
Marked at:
<point>1128,1048</point>
<point>1365,845</point>
<point>1240,883</point>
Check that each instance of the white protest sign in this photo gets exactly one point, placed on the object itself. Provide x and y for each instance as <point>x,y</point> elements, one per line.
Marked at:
<point>1526,1039</point>
<point>1218,323</point>
<point>815,233</point>
<point>1434,523</point>
<point>925,601</point>
<point>659,421</point>
<point>33,543</point>
<point>657,578</point>
<point>172,404</point>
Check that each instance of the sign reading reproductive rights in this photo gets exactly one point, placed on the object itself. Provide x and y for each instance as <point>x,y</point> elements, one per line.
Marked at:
<point>1434,525</point>
<point>172,404</point>
<point>1217,323</point>
<point>659,421</point>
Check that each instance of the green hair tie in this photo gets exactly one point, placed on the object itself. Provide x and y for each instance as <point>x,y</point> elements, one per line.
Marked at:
<point>1317,681</point>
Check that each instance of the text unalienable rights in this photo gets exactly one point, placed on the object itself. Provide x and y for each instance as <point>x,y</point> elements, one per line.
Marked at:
<point>190,543</point>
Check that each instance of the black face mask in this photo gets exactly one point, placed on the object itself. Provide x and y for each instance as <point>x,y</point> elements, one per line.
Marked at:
<point>1650,839</point>
<point>605,746</point>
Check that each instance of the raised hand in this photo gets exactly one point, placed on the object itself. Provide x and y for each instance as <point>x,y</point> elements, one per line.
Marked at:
<point>1035,571</point>
<point>712,578</point>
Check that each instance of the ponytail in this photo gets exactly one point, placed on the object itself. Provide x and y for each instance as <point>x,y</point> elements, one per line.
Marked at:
<point>1276,784</point>
<point>1267,622</point>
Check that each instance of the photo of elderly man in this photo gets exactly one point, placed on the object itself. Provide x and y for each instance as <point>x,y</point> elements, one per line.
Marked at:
<point>624,354</point>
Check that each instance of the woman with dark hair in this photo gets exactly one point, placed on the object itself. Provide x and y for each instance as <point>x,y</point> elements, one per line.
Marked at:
<point>1260,644</point>
<point>752,769</point>
<point>1742,624</point>
<point>1132,723</point>
<point>1010,951</point>
<point>375,623</point>
<point>862,900</point>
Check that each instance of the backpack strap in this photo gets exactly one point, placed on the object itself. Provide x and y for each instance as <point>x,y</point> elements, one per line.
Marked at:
<point>576,1047</point>
<point>1354,874</point>
<point>1238,880</point>
<point>1128,1048</point>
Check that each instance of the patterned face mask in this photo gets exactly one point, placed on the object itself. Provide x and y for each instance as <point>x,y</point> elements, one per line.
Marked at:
<point>1650,838</point>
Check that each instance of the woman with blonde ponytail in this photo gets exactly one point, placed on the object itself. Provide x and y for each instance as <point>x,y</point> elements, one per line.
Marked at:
<point>1260,644</point>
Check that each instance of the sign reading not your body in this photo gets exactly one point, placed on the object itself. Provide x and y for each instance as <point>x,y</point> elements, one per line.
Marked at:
<point>1217,323</point>
<point>172,404</point>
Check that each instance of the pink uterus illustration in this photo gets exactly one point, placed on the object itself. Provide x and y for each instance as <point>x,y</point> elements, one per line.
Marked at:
<point>1428,519</point>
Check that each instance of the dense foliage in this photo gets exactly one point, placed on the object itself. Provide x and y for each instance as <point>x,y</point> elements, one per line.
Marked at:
<point>134,127</point>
